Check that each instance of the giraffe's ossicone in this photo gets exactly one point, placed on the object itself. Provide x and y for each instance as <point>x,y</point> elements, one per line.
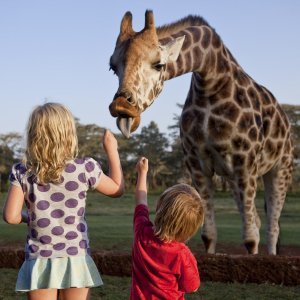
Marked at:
<point>230,125</point>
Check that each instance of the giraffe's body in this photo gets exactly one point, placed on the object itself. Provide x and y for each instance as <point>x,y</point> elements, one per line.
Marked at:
<point>230,125</point>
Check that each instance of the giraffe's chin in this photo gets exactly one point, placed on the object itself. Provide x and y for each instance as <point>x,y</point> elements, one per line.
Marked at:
<point>128,125</point>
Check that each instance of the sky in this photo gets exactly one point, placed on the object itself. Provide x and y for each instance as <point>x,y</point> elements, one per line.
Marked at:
<point>59,50</point>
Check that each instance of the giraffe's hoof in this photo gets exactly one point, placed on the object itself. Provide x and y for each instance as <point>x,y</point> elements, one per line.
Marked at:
<point>251,247</point>
<point>209,245</point>
<point>278,247</point>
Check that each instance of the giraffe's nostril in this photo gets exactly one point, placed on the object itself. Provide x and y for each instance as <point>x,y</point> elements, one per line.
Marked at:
<point>125,94</point>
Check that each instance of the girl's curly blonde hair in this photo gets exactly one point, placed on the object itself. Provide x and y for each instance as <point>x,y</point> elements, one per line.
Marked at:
<point>179,213</point>
<point>51,141</point>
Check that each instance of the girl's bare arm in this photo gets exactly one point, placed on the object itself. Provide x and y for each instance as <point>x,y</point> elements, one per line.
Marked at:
<point>12,210</point>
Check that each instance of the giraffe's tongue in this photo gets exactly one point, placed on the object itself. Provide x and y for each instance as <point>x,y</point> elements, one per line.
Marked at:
<point>124,124</point>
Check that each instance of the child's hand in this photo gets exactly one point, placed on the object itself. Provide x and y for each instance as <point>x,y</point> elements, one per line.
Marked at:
<point>109,142</point>
<point>142,165</point>
<point>141,184</point>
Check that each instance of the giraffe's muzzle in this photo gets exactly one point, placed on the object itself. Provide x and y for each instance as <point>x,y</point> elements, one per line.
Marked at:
<point>128,116</point>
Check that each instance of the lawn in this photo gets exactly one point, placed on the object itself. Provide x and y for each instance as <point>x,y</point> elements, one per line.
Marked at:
<point>110,222</point>
<point>117,288</point>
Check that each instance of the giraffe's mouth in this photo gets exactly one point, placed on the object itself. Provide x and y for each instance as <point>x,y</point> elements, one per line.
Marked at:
<point>128,116</point>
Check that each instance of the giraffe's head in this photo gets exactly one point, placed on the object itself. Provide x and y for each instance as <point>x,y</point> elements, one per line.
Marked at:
<point>139,61</point>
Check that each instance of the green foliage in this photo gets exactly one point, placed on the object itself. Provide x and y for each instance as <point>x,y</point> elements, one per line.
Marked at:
<point>10,150</point>
<point>153,144</point>
<point>293,113</point>
<point>90,139</point>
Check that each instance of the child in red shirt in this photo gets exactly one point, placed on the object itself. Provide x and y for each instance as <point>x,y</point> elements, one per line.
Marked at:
<point>163,267</point>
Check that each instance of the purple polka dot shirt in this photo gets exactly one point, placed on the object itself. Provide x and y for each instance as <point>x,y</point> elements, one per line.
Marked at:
<point>56,212</point>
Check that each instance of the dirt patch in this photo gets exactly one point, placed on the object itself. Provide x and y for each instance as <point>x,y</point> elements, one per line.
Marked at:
<point>230,266</point>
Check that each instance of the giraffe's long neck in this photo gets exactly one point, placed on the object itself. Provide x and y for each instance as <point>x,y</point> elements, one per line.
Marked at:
<point>203,53</point>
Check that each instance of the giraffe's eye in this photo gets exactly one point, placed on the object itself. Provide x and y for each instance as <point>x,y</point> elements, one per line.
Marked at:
<point>158,66</point>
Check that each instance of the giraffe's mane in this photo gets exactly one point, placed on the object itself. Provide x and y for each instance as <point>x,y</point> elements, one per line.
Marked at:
<point>190,20</point>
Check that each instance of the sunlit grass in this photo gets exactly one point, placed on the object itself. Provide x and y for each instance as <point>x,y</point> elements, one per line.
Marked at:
<point>110,221</point>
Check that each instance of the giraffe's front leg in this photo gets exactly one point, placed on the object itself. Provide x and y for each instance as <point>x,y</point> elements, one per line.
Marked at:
<point>205,188</point>
<point>201,172</point>
<point>209,231</point>
<point>244,189</point>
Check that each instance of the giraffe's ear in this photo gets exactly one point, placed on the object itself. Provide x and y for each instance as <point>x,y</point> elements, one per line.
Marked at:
<point>126,27</point>
<point>173,48</point>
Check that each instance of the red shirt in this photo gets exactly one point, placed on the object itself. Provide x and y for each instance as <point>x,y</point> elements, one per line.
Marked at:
<point>160,270</point>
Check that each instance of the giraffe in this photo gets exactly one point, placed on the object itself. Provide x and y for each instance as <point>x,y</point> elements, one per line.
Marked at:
<point>230,125</point>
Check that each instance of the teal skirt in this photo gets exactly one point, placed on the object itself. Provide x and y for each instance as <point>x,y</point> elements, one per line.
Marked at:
<point>58,273</point>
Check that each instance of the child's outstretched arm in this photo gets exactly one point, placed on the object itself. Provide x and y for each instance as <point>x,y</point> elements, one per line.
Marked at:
<point>141,185</point>
<point>113,184</point>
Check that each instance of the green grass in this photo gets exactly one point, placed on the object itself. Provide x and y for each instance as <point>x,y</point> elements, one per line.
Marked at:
<point>118,288</point>
<point>110,222</point>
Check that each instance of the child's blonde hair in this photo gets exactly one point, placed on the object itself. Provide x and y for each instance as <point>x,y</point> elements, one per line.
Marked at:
<point>179,213</point>
<point>51,141</point>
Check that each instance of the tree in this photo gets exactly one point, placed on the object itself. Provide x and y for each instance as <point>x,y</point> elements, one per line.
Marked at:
<point>14,141</point>
<point>175,160</point>
<point>154,145</point>
<point>128,156</point>
<point>293,113</point>
<point>10,151</point>
<point>90,138</point>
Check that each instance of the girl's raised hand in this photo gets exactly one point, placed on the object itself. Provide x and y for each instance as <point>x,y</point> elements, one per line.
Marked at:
<point>109,141</point>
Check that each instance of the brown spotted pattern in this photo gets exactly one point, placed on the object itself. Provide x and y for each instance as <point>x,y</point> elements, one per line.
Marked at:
<point>230,125</point>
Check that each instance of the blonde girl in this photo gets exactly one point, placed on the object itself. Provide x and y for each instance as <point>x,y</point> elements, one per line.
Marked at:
<point>53,182</point>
